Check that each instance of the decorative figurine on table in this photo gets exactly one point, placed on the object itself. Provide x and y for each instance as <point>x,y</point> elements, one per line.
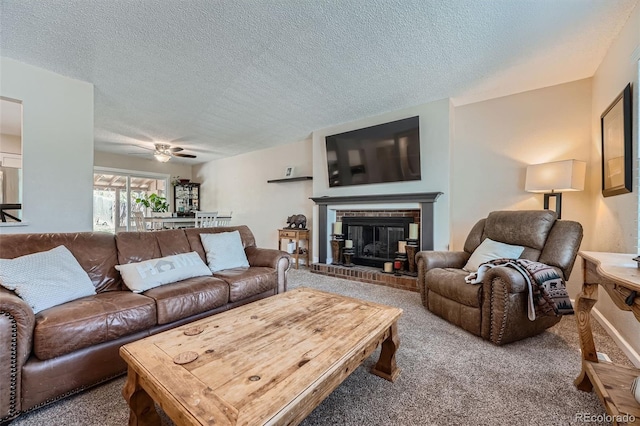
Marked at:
<point>297,221</point>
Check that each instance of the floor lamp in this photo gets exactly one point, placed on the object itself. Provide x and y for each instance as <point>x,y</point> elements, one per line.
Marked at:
<point>552,179</point>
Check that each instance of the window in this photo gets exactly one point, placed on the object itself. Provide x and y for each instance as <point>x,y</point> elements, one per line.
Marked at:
<point>114,195</point>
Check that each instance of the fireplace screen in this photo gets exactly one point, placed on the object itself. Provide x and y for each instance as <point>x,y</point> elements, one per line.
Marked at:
<point>375,239</point>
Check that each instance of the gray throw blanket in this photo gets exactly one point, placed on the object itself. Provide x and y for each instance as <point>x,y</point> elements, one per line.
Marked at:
<point>547,290</point>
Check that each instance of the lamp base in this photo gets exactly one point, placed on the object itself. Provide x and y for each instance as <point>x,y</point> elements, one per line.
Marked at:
<point>558,200</point>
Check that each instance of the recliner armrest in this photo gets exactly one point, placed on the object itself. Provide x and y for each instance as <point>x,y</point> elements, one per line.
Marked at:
<point>427,260</point>
<point>513,280</point>
<point>441,259</point>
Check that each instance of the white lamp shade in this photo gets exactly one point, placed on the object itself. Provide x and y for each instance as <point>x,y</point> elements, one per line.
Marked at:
<point>558,176</point>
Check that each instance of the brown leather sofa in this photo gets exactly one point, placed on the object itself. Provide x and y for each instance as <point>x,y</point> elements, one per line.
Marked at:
<point>67,348</point>
<point>496,309</point>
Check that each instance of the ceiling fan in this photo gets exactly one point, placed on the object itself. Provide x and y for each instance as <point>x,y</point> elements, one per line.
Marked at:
<point>163,152</point>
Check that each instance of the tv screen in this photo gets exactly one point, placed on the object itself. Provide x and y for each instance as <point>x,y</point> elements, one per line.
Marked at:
<point>387,152</point>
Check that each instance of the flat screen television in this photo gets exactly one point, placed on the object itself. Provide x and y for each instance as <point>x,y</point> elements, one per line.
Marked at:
<point>387,152</point>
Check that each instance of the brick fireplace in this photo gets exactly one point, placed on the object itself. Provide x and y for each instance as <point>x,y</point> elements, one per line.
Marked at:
<point>398,210</point>
<point>375,233</point>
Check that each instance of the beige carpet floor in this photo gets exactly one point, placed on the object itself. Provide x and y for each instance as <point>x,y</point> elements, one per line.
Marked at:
<point>449,377</point>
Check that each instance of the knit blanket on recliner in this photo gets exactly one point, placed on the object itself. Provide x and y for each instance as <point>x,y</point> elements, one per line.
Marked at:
<point>547,290</point>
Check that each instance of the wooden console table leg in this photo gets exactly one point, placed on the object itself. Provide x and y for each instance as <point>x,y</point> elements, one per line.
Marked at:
<point>386,366</point>
<point>142,410</point>
<point>584,302</point>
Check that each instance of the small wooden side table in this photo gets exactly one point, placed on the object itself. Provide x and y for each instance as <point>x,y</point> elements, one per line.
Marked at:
<point>619,276</point>
<point>297,235</point>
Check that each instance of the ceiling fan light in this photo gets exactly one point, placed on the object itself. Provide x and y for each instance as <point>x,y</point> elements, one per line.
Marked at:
<point>162,156</point>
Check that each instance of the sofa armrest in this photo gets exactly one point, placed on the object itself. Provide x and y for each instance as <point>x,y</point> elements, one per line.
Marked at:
<point>272,258</point>
<point>17,322</point>
<point>427,260</point>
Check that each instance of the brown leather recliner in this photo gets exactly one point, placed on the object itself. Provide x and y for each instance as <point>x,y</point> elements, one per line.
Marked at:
<point>496,309</point>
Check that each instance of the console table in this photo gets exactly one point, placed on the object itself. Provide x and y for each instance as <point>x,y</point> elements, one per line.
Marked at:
<point>619,275</point>
<point>297,235</point>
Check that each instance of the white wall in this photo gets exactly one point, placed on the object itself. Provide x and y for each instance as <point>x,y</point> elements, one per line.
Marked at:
<point>615,222</point>
<point>435,163</point>
<point>57,147</point>
<point>239,184</point>
<point>495,140</point>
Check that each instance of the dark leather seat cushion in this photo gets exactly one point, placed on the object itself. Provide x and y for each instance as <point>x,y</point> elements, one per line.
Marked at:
<point>91,320</point>
<point>450,284</point>
<point>188,297</point>
<point>247,282</point>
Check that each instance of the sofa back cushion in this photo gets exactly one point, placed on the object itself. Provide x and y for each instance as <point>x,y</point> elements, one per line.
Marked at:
<point>136,247</point>
<point>193,235</point>
<point>526,228</point>
<point>94,251</point>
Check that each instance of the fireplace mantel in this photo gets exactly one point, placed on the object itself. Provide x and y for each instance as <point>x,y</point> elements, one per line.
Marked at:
<point>424,199</point>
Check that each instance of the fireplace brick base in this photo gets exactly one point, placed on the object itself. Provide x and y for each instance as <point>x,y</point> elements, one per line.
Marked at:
<point>366,274</point>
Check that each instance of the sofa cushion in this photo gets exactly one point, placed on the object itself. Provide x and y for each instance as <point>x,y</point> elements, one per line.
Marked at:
<point>224,250</point>
<point>245,283</point>
<point>46,279</point>
<point>528,228</point>
<point>188,297</point>
<point>139,246</point>
<point>450,283</point>
<point>491,250</point>
<point>193,236</point>
<point>94,251</point>
<point>151,273</point>
<point>91,320</point>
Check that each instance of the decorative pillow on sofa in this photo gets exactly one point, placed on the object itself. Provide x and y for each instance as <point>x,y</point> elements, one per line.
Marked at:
<point>224,251</point>
<point>46,279</point>
<point>635,388</point>
<point>142,276</point>
<point>490,250</point>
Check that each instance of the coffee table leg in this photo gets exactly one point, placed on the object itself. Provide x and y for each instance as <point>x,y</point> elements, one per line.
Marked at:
<point>142,410</point>
<point>386,366</point>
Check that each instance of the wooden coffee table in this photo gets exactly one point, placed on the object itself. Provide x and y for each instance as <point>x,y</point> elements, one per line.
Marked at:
<point>269,362</point>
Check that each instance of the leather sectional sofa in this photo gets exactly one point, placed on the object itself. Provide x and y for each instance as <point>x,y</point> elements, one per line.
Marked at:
<point>70,347</point>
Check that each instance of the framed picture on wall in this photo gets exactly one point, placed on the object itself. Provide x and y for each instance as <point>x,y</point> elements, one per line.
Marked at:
<point>615,124</point>
<point>288,172</point>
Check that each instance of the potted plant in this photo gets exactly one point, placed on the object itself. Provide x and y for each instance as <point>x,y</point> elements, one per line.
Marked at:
<point>155,202</point>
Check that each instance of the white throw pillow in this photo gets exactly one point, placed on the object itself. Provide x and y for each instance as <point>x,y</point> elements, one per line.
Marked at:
<point>142,276</point>
<point>635,388</point>
<point>490,250</point>
<point>224,251</point>
<point>46,279</point>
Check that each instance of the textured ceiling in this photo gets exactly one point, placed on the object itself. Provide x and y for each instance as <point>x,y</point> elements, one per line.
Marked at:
<point>220,78</point>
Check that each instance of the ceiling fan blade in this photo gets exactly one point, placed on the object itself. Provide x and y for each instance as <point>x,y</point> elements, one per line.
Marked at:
<point>176,149</point>
<point>141,147</point>
<point>184,155</point>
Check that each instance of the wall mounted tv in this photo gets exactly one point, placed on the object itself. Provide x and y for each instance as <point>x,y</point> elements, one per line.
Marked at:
<point>387,152</point>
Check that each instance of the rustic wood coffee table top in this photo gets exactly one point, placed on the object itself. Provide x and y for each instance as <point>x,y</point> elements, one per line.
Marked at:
<point>269,362</point>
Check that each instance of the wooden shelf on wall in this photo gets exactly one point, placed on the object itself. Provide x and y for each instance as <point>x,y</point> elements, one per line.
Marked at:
<point>293,179</point>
